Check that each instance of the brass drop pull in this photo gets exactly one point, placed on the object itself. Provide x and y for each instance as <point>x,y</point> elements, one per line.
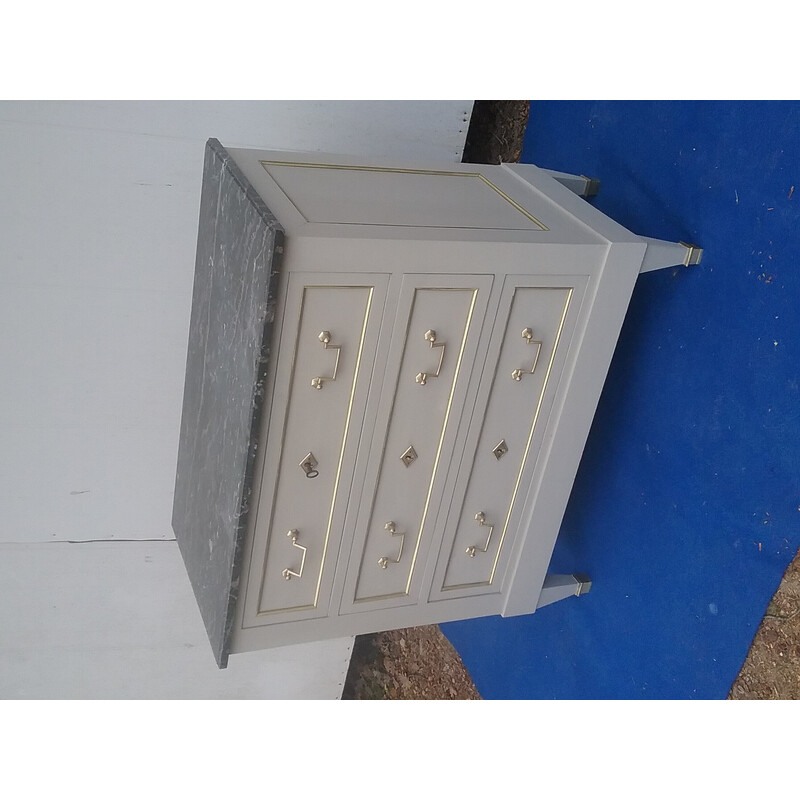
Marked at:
<point>325,337</point>
<point>385,561</point>
<point>480,518</point>
<point>309,466</point>
<point>288,573</point>
<point>527,335</point>
<point>422,377</point>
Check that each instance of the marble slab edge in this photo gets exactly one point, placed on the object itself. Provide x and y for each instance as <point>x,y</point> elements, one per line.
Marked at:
<point>237,266</point>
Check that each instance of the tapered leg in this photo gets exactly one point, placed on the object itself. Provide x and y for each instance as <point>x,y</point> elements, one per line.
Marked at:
<point>661,254</point>
<point>558,587</point>
<point>580,184</point>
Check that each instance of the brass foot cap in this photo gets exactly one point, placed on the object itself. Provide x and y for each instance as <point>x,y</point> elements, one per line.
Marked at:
<point>693,254</point>
<point>592,186</point>
<point>584,584</point>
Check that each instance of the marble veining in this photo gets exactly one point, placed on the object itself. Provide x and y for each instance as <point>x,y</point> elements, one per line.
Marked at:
<point>233,306</point>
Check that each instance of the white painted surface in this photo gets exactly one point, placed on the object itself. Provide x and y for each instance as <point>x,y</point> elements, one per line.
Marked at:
<point>424,129</point>
<point>414,199</point>
<point>421,206</point>
<point>117,620</point>
<point>546,280</point>
<point>98,224</point>
<point>98,219</point>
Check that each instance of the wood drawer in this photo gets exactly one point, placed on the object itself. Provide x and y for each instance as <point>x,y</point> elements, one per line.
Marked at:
<point>527,353</point>
<point>319,396</point>
<point>434,344</point>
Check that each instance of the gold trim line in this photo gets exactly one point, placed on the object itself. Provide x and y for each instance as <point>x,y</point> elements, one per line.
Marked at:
<point>446,173</point>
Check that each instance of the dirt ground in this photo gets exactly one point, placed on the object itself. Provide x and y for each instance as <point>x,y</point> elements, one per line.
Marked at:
<point>420,664</point>
<point>771,670</point>
<point>407,664</point>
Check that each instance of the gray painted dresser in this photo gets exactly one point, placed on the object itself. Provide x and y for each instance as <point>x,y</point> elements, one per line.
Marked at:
<point>392,372</point>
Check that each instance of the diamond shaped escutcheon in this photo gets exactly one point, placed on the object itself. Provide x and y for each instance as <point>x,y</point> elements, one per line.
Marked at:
<point>409,457</point>
<point>500,449</point>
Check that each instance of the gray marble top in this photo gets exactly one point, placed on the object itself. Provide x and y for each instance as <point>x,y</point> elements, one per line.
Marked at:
<point>233,305</point>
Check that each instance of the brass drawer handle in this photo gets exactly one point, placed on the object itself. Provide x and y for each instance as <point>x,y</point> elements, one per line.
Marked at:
<point>527,335</point>
<point>385,561</point>
<point>480,518</point>
<point>309,465</point>
<point>325,337</point>
<point>422,377</point>
<point>288,573</point>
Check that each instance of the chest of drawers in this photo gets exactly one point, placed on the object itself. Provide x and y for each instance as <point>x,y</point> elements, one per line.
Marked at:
<point>392,372</point>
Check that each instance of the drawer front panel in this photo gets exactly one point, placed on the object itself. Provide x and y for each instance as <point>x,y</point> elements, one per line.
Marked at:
<point>297,532</point>
<point>438,336</point>
<point>507,442</point>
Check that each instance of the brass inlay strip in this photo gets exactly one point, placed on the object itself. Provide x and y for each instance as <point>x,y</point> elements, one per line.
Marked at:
<point>371,291</point>
<point>514,203</point>
<point>525,455</point>
<point>447,173</point>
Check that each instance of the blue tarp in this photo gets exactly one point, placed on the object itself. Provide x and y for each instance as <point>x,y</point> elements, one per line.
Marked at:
<point>686,508</point>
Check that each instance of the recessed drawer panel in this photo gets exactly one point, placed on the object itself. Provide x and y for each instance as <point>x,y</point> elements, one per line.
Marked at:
<point>321,389</point>
<point>508,442</point>
<point>438,336</point>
